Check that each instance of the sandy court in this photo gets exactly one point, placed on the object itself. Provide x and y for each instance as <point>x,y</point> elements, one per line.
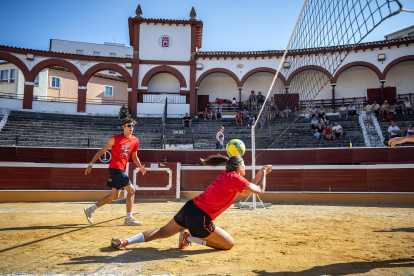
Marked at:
<point>40,238</point>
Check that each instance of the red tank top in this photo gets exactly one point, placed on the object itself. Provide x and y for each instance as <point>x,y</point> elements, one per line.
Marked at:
<point>221,193</point>
<point>121,150</point>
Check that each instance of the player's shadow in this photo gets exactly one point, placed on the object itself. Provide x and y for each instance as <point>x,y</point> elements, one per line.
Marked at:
<point>407,229</point>
<point>134,255</point>
<point>340,269</point>
<point>52,227</point>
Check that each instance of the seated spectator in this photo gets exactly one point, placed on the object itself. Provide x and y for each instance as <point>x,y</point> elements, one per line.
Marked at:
<point>327,133</point>
<point>394,131</point>
<point>123,112</point>
<point>318,131</point>
<point>408,107</point>
<point>368,111</point>
<point>253,99</point>
<point>262,121</point>
<point>399,106</point>
<point>337,130</point>
<point>252,119</point>
<point>206,114</point>
<point>186,121</point>
<point>313,111</point>
<point>165,159</point>
<point>287,113</point>
<point>351,110</point>
<point>409,131</point>
<point>234,104</point>
<point>213,113</point>
<point>295,112</point>
<point>219,111</point>
<point>384,108</point>
<point>244,113</point>
<point>314,122</point>
<point>343,111</point>
<point>272,102</point>
<point>246,103</point>
<point>260,99</point>
<point>321,111</point>
<point>239,118</point>
<point>323,119</point>
<point>219,101</point>
<point>327,123</point>
<point>375,107</point>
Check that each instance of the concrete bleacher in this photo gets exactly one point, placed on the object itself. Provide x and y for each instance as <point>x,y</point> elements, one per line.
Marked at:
<point>401,120</point>
<point>64,130</point>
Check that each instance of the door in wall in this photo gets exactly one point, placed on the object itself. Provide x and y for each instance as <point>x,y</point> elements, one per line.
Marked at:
<point>203,101</point>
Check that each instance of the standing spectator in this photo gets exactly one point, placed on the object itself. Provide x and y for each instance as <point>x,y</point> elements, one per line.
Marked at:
<point>399,106</point>
<point>337,130</point>
<point>321,111</point>
<point>260,99</point>
<point>375,107</point>
<point>206,114</point>
<point>234,104</point>
<point>186,121</point>
<point>314,122</point>
<point>239,118</point>
<point>343,111</point>
<point>368,111</point>
<point>408,106</point>
<point>213,113</point>
<point>220,138</point>
<point>384,108</point>
<point>219,111</point>
<point>409,131</point>
<point>123,112</point>
<point>318,131</point>
<point>313,111</point>
<point>253,99</point>
<point>351,110</point>
<point>394,131</point>
<point>327,133</point>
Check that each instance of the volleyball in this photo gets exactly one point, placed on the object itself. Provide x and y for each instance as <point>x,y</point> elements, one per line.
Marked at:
<point>235,147</point>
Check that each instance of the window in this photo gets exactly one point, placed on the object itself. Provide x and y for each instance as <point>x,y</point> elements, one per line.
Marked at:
<point>79,52</point>
<point>36,82</point>
<point>112,72</point>
<point>109,91</point>
<point>95,53</point>
<point>112,54</point>
<point>129,56</point>
<point>411,34</point>
<point>4,76</point>
<point>12,75</point>
<point>55,82</point>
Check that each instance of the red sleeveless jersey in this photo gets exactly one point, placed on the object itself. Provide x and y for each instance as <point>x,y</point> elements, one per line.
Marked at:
<point>221,193</point>
<point>121,150</point>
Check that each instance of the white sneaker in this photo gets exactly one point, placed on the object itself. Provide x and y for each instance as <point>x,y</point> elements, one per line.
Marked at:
<point>88,214</point>
<point>132,222</point>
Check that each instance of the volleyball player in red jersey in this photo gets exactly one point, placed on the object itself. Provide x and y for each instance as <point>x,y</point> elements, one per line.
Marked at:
<point>197,215</point>
<point>123,145</point>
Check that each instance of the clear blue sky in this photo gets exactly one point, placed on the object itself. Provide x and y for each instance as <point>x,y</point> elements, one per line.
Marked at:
<point>232,25</point>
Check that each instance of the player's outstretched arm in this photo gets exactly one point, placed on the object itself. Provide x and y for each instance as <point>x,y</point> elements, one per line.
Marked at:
<point>395,141</point>
<point>138,163</point>
<point>99,154</point>
<point>260,188</point>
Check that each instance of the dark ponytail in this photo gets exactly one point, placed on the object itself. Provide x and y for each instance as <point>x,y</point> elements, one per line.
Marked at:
<point>232,162</point>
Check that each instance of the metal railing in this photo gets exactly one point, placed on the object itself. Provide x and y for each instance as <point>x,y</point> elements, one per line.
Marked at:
<point>159,98</point>
<point>164,122</point>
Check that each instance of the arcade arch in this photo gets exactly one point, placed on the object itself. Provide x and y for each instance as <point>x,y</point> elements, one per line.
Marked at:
<point>400,75</point>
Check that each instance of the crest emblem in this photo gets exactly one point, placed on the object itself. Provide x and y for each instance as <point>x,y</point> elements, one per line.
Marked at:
<point>165,41</point>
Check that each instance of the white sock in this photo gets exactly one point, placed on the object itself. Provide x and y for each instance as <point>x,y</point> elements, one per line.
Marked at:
<point>128,215</point>
<point>93,208</point>
<point>136,239</point>
<point>196,240</point>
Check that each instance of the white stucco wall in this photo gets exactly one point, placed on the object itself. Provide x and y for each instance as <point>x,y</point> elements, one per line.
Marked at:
<point>41,90</point>
<point>401,76</point>
<point>258,82</point>
<point>184,70</point>
<point>355,81</point>
<point>219,85</point>
<point>173,110</point>
<point>301,82</point>
<point>11,103</point>
<point>149,49</point>
<point>55,107</point>
<point>164,82</point>
<point>102,109</point>
<point>65,46</point>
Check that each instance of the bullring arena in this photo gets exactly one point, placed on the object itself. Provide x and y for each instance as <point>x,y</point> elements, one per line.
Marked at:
<point>333,207</point>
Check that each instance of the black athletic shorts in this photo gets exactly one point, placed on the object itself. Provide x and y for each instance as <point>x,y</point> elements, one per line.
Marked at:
<point>117,179</point>
<point>195,220</point>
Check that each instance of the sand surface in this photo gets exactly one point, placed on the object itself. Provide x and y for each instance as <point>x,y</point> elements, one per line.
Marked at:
<point>41,238</point>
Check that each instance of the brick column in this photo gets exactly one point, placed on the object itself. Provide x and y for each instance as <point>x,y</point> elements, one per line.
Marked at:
<point>82,98</point>
<point>133,99</point>
<point>28,95</point>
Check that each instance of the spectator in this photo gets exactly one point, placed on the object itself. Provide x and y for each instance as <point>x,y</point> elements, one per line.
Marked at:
<point>206,114</point>
<point>337,130</point>
<point>260,99</point>
<point>246,103</point>
<point>321,111</point>
<point>243,113</point>
<point>394,131</point>
<point>314,122</point>
<point>384,108</point>
<point>323,119</point>
<point>219,101</point>
<point>287,112</point>
<point>219,111</point>
<point>407,106</point>
<point>252,119</point>
<point>313,111</point>
<point>368,111</point>
<point>123,112</point>
<point>318,131</point>
<point>327,133</point>
<point>253,99</point>
<point>399,106</point>
<point>272,102</point>
<point>351,110</point>
<point>213,113</point>
<point>239,118</point>
<point>262,121</point>
<point>327,123</point>
<point>375,107</point>
<point>295,112</point>
<point>343,111</point>
<point>220,138</point>
<point>234,104</point>
<point>186,121</point>
<point>165,159</point>
<point>409,131</point>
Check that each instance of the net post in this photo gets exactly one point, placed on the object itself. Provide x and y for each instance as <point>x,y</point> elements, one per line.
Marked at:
<point>253,164</point>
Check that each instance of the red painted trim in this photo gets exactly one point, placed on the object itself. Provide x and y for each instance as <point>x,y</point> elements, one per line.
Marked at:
<point>107,66</point>
<point>136,37</point>
<point>308,67</point>
<point>28,97</point>
<point>134,98</point>
<point>164,69</point>
<point>218,70</point>
<point>394,62</point>
<point>55,62</point>
<point>163,62</point>
<point>263,69</point>
<point>16,61</point>
<point>81,100</point>
<point>357,63</point>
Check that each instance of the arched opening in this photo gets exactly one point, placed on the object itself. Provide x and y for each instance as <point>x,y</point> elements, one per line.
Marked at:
<point>400,76</point>
<point>260,81</point>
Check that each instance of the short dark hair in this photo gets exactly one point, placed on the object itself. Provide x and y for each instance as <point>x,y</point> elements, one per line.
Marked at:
<point>128,121</point>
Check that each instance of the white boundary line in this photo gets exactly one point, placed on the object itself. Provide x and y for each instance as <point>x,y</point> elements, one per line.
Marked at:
<point>309,167</point>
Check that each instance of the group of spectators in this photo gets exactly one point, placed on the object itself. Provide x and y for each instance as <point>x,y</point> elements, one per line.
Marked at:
<point>324,129</point>
<point>395,131</point>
